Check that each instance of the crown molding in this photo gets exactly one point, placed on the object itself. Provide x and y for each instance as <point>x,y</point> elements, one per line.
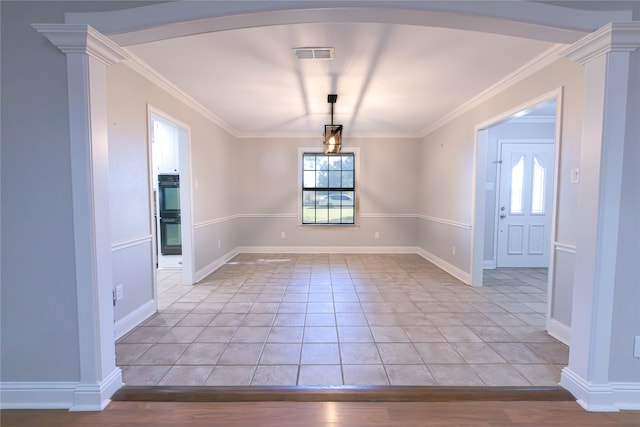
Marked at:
<point>82,39</point>
<point>613,37</point>
<point>545,58</point>
<point>151,74</point>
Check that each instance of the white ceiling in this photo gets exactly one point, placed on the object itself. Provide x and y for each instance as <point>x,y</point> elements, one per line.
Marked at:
<point>390,79</point>
<point>400,68</point>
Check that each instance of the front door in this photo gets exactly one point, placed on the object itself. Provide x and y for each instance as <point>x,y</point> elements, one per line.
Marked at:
<point>524,207</point>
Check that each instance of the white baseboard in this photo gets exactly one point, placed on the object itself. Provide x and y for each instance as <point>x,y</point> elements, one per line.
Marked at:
<point>37,395</point>
<point>133,319</point>
<point>59,394</point>
<point>489,264</point>
<point>608,397</point>
<point>328,249</point>
<point>213,266</point>
<point>626,396</point>
<point>96,397</point>
<point>559,331</point>
<point>456,272</point>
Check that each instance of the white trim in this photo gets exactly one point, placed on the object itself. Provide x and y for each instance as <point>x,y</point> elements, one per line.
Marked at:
<point>559,331</point>
<point>170,20</point>
<point>489,264</point>
<point>214,221</point>
<point>626,395</point>
<point>83,39</point>
<point>124,244</point>
<point>536,64</point>
<point>37,395</point>
<point>534,119</point>
<point>389,215</point>
<point>608,397</point>
<point>96,397</point>
<point>606,126</point>
<point>554,212</point>
<point>479,175</point>
<point>356,165</point>
<point>563,247</point>
<point>612,37</point>
<point>88,53</point>
<point>186,193</point>
<point>445,221</point>
<point>59,394</point>
<point>456,272</point>
<point>329,249</point>
<point>135,318</point>
<point>266,215</point>
<point>213,266</point>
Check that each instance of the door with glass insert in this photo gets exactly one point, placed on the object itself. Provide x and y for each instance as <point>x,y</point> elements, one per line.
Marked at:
<point>524,205</point>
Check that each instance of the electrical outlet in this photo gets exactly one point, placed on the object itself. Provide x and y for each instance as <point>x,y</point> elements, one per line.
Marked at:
<point>283,235</point>
<point>219,244</point>
<point>119,292</point>
<point>376,235</point>
<point>453,250</point>
<point>636,347</point>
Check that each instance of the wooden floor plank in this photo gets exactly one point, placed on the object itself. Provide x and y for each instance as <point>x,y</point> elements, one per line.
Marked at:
<point>323,414</point>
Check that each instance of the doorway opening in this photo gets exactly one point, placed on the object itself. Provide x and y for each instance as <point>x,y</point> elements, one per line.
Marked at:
<point>171,201</point>
<point>516,186</point>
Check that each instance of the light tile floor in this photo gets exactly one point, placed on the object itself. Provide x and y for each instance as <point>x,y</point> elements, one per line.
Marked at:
<point>344,319</point>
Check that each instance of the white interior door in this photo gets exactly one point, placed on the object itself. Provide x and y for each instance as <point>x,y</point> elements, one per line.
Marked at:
<point>524,207</point>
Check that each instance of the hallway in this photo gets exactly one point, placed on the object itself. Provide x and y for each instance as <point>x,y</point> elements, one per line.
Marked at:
<point>344,319</point>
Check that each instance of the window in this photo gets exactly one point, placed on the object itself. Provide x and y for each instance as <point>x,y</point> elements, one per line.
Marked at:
<point>517,182</point>
<point>328,189</point>
<point>537,192</point>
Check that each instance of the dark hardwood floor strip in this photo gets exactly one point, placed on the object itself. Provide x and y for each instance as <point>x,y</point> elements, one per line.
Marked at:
<point>340,394</point>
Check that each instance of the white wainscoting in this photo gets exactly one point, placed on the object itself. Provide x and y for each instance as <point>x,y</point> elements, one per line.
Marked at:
<point>137,278</point>
<point>135,318</point>
<point>560,292</point>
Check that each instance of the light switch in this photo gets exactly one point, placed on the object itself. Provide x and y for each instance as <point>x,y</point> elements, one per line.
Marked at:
<point>575,175</point>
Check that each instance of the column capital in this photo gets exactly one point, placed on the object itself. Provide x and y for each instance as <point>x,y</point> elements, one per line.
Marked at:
<point>613,37</point>
<point>83,39</point>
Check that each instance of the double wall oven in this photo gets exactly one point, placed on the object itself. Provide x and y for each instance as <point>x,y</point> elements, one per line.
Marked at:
<point>169,211</point>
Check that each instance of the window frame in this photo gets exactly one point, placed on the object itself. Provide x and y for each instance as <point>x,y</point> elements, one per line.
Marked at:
<point>300,187</point>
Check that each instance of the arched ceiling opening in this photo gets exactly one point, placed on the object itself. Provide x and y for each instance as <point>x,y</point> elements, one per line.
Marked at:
<point>398,67</point>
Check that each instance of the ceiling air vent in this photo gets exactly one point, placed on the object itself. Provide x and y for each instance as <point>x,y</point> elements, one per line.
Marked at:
<point>313,52</point>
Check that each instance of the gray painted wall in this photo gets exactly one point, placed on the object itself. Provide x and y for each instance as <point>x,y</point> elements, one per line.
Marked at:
<point>446,177</point>
<point>213,166</point>
<point>39,326</point>
<point>626,306</point>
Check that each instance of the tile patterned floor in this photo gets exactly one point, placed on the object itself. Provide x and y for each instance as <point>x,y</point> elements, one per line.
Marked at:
<point>344,319</point>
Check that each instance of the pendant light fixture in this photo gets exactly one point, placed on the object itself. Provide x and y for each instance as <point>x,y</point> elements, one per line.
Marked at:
<point>332,133</point>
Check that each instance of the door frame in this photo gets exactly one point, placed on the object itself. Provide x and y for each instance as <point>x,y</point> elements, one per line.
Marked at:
<point>186,196</point>
<point>499,184</point>
<point>481,141</point>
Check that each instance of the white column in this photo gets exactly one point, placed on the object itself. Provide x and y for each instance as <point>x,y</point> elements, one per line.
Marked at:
<point>89,53</point>
<point>605,55</point>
